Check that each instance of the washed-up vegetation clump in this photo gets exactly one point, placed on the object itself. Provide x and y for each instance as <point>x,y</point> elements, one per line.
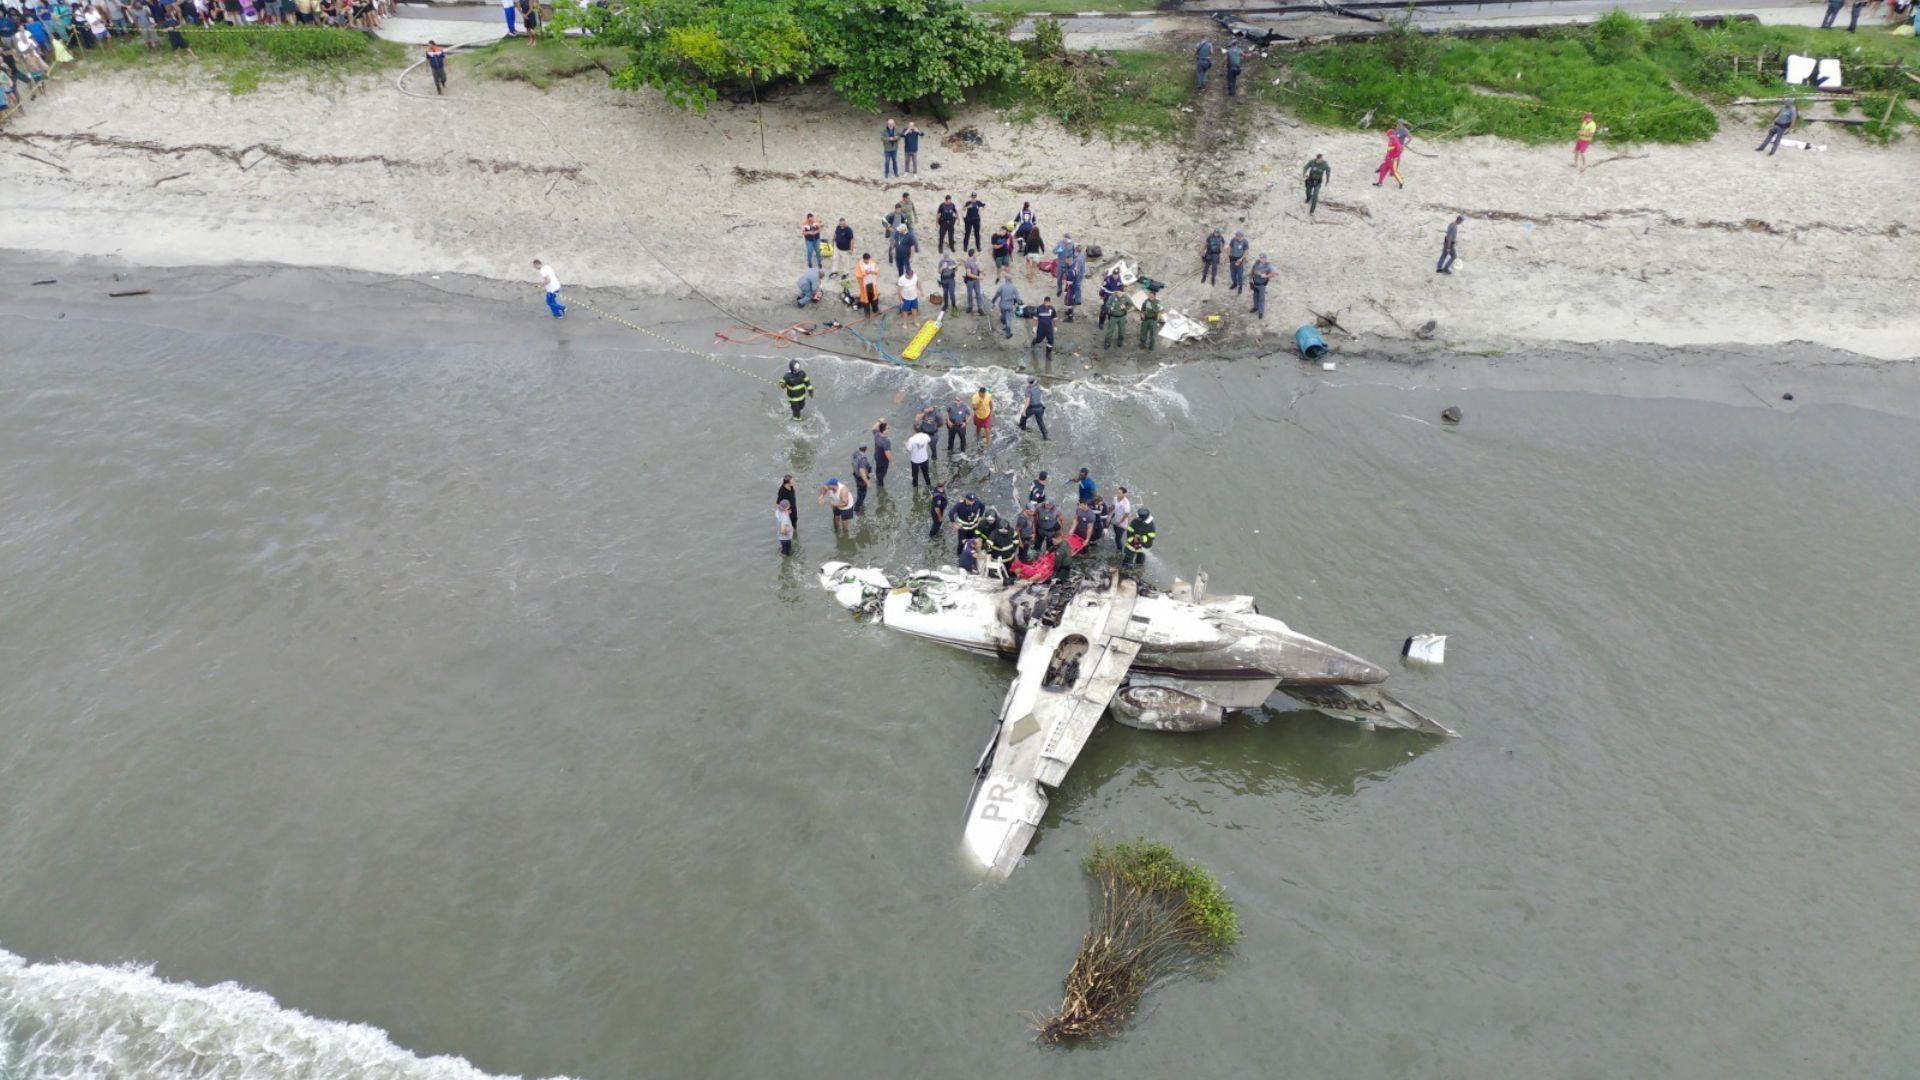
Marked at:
<point>1157,918</point>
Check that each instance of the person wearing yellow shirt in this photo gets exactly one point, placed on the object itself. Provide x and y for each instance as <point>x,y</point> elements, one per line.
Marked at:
<point>1587,130</point>
<point>982,403</point>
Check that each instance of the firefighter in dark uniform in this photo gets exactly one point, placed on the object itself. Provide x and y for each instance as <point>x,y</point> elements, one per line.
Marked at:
<point>966,518</point>
<point>1139,538</point>
<point>797,386</point>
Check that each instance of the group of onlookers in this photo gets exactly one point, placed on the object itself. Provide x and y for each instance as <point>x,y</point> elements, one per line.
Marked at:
<point>37,38</point>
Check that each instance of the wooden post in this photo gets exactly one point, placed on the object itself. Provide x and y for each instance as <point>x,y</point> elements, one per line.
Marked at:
<point>1892,100</point>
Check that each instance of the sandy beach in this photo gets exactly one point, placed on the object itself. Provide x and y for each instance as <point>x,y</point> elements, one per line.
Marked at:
<point>1697,245</point>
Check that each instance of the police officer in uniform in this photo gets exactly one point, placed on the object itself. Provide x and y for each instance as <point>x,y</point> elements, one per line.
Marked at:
<point>1139,538</point>
<point>1024,528</point>
<point>798,387</point>
<point>927,421</point>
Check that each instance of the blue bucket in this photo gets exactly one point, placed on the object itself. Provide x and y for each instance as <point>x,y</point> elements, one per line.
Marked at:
<point>1311,345</point>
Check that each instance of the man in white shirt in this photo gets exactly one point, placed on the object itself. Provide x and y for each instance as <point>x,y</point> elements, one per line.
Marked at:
<point>909,301</point>
<point>507,9</point>
<point>1122,516</point>
<point>550,283</point>
<point>919,451</point>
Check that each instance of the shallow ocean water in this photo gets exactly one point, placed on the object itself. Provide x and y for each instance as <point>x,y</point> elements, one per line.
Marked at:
<point>457,690</point>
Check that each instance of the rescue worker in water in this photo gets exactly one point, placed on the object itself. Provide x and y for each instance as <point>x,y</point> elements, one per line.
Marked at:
<point>966,517</point>
<point>1001,543</point>
<point>1139,538</point>
<point>798,387</point>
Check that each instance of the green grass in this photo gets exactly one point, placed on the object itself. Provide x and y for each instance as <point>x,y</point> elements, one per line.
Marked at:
<point>545,63</point>
<point>241,60</point>
<point>1147,92</point>
<point>1127,94</point>
<point>243,80</point>
<point>1059,7</point>
<point>1644,82</point>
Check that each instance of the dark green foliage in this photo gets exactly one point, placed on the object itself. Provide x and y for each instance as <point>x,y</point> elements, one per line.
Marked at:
<point>873,51</point>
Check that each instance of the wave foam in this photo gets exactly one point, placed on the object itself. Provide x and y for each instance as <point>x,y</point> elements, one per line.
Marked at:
<point>64,1021</point>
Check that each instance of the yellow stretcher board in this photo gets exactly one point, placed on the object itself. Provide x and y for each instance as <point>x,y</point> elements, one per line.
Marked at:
<point>922,339</point>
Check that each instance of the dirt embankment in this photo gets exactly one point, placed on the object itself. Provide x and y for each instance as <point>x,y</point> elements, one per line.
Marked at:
<point>1702,244</point>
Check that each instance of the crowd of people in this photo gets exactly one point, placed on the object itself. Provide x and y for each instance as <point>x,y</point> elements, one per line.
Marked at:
<point>1033,544</point>
<point>36,40</point>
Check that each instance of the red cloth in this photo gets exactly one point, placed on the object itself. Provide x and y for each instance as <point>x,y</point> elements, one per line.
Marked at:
<point>1039,569</point>
<point>1074,544</point>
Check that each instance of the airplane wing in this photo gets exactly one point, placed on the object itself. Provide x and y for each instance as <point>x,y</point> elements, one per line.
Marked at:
<point>1365,704</point>
<point>1069,669</point>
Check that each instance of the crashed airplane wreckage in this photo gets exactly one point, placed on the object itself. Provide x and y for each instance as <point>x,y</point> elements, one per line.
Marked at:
<point>1086,642</point>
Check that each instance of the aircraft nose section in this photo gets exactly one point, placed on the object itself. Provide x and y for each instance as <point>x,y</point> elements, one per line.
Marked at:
<point>1301,659</point>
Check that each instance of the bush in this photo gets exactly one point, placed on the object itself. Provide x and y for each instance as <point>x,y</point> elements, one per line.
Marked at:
<point>1617,36</point>
<point>1158,918</point>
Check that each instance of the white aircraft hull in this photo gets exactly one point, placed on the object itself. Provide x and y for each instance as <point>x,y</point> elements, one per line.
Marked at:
<point>1164,663</point>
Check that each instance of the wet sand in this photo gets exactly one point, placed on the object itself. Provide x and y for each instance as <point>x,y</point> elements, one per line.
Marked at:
<point>1705,244</point>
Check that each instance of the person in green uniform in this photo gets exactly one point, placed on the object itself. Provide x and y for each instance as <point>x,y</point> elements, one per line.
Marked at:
<point>1317,172</point>
<point>1116,319</point>
<point>1150,319</point>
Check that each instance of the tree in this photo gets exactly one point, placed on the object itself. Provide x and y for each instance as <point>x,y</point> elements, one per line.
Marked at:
<point>877,50</point>
<point>909,50</point>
